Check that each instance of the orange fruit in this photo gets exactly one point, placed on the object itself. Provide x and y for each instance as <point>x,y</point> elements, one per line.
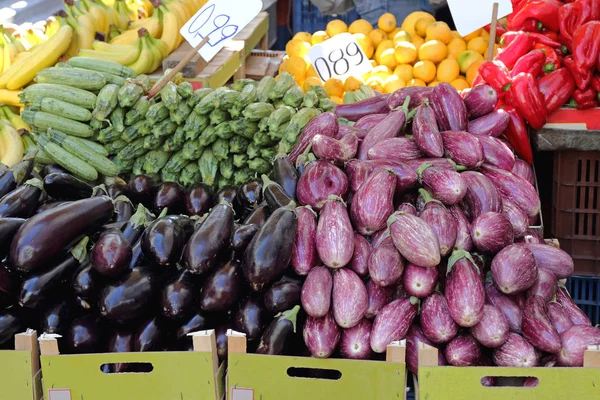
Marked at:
<point>473,70</point>
<point>337,100</point>
<point>422,24</point>
<point>456,47</point>
<point>433,50</point>
<point>304,36</point>
<point>297,47</point>
<point>393,83</point>
<point>404,72</point>
<point>411,19</point>
<point>377,36</point>
<point>472,35</point>
<point>467,58</point>
<point>334,87</point>
<point>360,26</point>
<point>439,31</point>
<point>416,82</point>
<point>336,27</point>
<point>425,71</point>
<point>460,84</point>
<point>375,83</point>
<point>478,44</point>
<point>387,22</point>
<point>448,70</point>
<point>312,81</point>
<point>352,83</point>
<point>405,53</point>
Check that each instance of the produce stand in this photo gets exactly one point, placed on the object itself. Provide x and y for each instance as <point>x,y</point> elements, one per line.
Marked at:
<point>348,379</point>
<point>187,375</point>
<point>20,375</point>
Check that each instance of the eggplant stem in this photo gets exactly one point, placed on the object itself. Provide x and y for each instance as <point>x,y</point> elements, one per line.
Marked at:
<point>291,315</point>
<point>422,168</point>
<point>79,252</point>
<point>36,183</point>
<point>140,217</point>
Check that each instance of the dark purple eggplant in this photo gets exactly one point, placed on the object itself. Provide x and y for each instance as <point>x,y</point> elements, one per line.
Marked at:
<point>137,254</point>
<point>270,251</point>
<point>324,124</point>
<point>123,209</point>
<point>163,241</point>
<point>259,216</point>
<point>426,133</point>
<point>449,107</point>
<point>319,181</point>
<point>210,240</point>
<point>51,169</point>
<point>11,323</point>
<point>129,298</point>
<point>386,129</point>
<point>120,342</point>
<point>223,288</point>
<point>285,174</point>
<point>86,285</point>
<point>221,338</point>
<point>274,194</point>
<point>116,187</point>
<point>321,335</point>
<point>441,221</point>
<point>136,224</point>
<point>169,195</point>
<point>16,175</point>
<point>56,318</point>
<point>63,186</point>
<point>99,191</point>
<point>355,111</point>
<point>141,190</point>
<point>198,199</point>
<point>49,205</point>
<point>463,351</point>
<point>44,235</point>
<point>23,201</point>
<point>226,194</point>
<point>482,196</point>
<point>242,236</point>
<point>250,318</point>
<point>276,336</point>
<point>196,322</point>
<point>179,297</point>
<point>8,229</point>
<point>249,195</point>
<point>481,100</point>
<point>416,94</point>
<point>282,296</point>
<point>463,148</point>
<point>111,254</point>
<point>84,336</point>
<point>149,336</point>
<point>9,284</point>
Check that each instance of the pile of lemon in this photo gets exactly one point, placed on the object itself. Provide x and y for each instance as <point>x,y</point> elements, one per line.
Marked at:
<point>420,52</point>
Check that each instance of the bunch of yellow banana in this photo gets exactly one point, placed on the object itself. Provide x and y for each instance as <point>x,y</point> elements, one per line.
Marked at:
<point>11,146</point>
<point>10,49</point>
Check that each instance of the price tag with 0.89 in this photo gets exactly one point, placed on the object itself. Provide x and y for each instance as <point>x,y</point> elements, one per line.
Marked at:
<point>339,57</point>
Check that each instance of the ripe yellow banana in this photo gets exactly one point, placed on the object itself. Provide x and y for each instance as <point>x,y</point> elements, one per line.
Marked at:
<point>149,23</point>
<point>45,56</point>
<point>122,14</point>
<point>170,31</point>
<point>15,120</point>
<point>130,36</point>
<point>6,59</point>
<point>99,14</point>
<point>132,10</point>
<point>2,57</point>
<point>10,97</point>
<point>52,25</point>
<point>120,48</point>
<point>156,56</point>
<point>144,61</point>
<point>11,146</point>
<point>162,47</point>
<point>123,58</point>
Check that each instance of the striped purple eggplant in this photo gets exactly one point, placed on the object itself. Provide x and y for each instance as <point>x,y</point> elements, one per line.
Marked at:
<point>426,132</point>
<point>395,149</point>
<point>373,203</point>
<point>441,221</point>
<point>545,285</point>
<point>575,342</point>
<point>356,341</point>
<point>463,230</point>
<point>386,264</point>
<point>316,292</point>
<point>344,130</point>
<point>491,232</point>
<point>370,121</point>
<point>335,238</point>
<point>415,336</point>
<point>482,196</point>
<point>559,317</point>
<point>392,322</point>
<point>552,259</point>
<point>463,351</point>
<point>358,172</point>
<point>464,290</point>
<point>414,239</point>
<point>443,184</point>
<point>407,208</point>
<point>507,305</point>
<point>514,269</point>
<point>419,281</point>
<point>524,170</point>
<point>320,180</point>
<point>358,110</point>
<point>386,129</point>
<point>350,298</point>
<point>537,326</point>
<point>517,217</point>
<point>323,124</point>
<point>335,150</point>
<point>360,259</point>
<point>481,100</point>
<point>493,124</point>
<point>577,316</point>
<point>304,255</point>
<point>515,188</point>
<point>416,95</point>
<point>321,335</point>
<point>379,237</point>
<point>436,321</point>
<point>492,330</point>
<point>463,148</point>
<point>435,162</point>
<point>515,352</point>
<point>378,297</point>
<point>497,153</point>
<point>450,110</point>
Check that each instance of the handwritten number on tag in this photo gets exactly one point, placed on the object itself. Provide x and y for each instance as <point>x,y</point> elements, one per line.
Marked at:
<point>219,22</point>
<point>338,61</point>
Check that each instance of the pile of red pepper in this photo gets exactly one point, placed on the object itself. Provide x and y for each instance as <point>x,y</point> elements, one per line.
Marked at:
<point>549,57</point>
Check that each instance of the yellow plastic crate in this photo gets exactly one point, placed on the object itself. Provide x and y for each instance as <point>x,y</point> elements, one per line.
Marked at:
<point>19,369</point>
<point>176,375</point>
<point>262,377</point>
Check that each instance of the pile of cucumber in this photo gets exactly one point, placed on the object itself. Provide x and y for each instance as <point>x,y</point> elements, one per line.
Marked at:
<point>219,137</point>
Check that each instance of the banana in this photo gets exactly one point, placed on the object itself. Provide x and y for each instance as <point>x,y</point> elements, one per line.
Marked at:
<point>144,61</point>
<point>162,47</point>
<point>10,97</point>
<point>156,56</point>
<point>170,31</point>
<point>113,32</point>
<point>123,58</point>
<point>8,74</point>
<point>121,48</point>
<point>6,59</point>
<point>15,120</point>
<point>129,37</point>
<point>122,14</point>
<point>52,25</point>
<point>149,23</point>
<point>98,14</point>
<point>2,46</point>
<point>11,145</point>
<point>45,56</point>
<point>20,56</point>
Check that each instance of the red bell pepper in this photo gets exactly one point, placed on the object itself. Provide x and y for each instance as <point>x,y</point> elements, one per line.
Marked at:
<point>545,11</point>
<point>586,44</point>
<point>596,83</point>
<point>517,135</point>
<point>572,16</point>
<point>551,35</point>
<point>531,63</point>
<point>557,88</point>
<point>552,62</point>
<point>520,45</point>
<point>525,96</point>
<point>582,77</point>
<point>585,99</point>
<point>495,74</point>
<point>529,25</point>
<point>500,30</point>
<point>539,38</point>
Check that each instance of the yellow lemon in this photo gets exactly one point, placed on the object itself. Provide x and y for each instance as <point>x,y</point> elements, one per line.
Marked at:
<point>377,36</point>
<point>448,70</point>
<point>387,22</point>
<point>352,83</point>
<point>422,24</point>
<point>456,47</point>
<point>460,84</point>
<point>381,71</point>
<point>282,66</point>
<point>360,26</point>
<point>393,33</point>
<point>472,35</point>
<point>334,87</point>
<point>473,70</point>
<point>433,84</point>
<point>467,58</point>
<point>365,44</point>
<point>417,41</point>
<point>393,83</point>
<point>402,36</point>
<point>456,35</point>
<point>336,27</point>
<point>424,70</point>
<point>310,71</point>
<point>311,81</point>
<point>433,50</point>
<point>297,47</point>
<point>319,37</point>
<point>375,83</point>
<point>411,19</point>
<point>405,52</point>
<point>297,67</point>
<point>337,100</point>
<point>387,58</point>
<point>485,34</point>
<point>478,44</point>
<point>304,36</point>
<point>416,82</point>
<point>404,72</point>
<point>384,45</point>
<point>439,31</point>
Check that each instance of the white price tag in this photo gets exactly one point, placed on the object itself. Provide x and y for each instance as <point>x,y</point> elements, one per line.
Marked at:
<point>469,15</point>
<point>242,394</point>
<point>220,21</point>
<point>59,394</point>
<point>339,57</point>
